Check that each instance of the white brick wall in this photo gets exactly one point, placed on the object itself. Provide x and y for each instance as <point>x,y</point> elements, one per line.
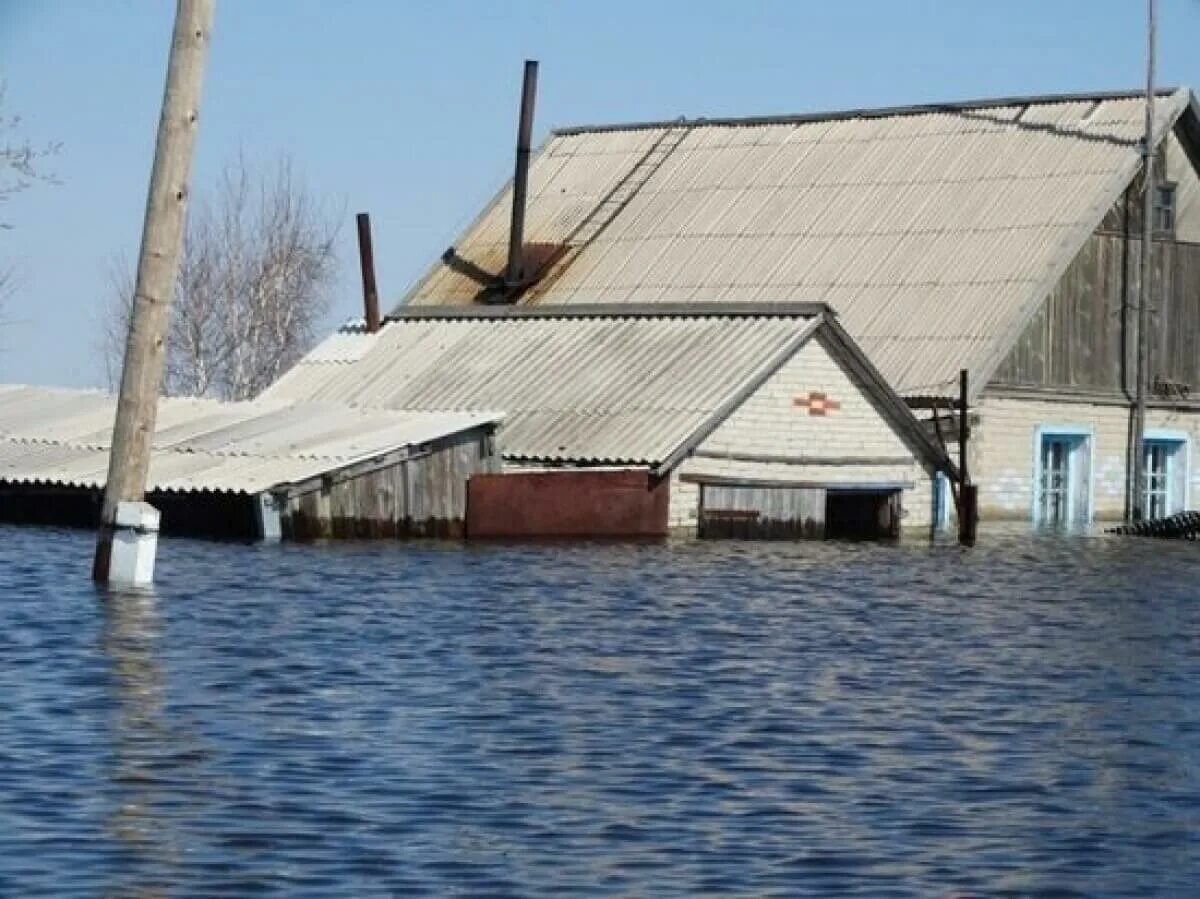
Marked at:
<point>1003,452</point>
<point>769,423</point>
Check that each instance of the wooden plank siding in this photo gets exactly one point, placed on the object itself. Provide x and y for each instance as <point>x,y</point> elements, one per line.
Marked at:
<point>755,512</point>
<point>1083,338</point>
<point>422,493</point>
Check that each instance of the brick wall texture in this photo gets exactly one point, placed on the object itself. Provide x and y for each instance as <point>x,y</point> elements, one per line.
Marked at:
<point>776,420</point>
<point>1003,450</point>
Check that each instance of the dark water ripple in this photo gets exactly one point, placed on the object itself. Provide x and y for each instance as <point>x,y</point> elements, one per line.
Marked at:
<point>828,720</point>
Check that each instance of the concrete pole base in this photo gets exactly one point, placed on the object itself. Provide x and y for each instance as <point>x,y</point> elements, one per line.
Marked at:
<point>134,544</point>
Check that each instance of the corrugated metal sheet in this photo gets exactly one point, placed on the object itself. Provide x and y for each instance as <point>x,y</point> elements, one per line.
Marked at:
<point>61,437</point>
<point>608,389</point>
<point>932,232</point>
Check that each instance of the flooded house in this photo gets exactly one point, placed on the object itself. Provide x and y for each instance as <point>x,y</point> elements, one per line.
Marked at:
<point>723,420</point>
<point>999,237</point>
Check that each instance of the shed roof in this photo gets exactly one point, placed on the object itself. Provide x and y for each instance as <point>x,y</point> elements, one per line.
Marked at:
<point>598,385</point>
<point>935,231</point>
<point>62,437</point>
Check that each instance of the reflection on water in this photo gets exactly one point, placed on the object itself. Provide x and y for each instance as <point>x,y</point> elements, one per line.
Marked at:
<point>143,772</point>
<point>820,719</point>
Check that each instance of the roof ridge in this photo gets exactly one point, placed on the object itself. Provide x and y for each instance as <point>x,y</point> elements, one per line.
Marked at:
<point>866,112</point>
<point>731,309</point>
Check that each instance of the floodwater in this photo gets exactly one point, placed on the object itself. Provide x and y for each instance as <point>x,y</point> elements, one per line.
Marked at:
<point>1021,719</point>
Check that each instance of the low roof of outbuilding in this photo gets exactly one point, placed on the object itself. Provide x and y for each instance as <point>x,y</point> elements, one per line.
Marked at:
<point>61,437</point>
<point>630,383</point>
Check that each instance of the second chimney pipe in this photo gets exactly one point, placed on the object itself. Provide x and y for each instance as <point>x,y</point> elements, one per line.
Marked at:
<point>515,272</point>
<point>366,257</point>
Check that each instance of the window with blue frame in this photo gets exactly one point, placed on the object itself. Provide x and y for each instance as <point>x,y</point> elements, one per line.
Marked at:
<point>1166,459</point>
<point>1063,476</point>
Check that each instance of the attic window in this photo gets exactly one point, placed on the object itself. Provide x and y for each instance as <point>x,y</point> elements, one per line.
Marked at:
<point>1164,209</point>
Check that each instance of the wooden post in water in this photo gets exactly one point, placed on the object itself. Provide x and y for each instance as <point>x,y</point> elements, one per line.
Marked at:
<point>968,502</point>
<point>158,262</point>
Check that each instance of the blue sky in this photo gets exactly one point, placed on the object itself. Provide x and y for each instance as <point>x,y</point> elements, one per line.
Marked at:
<point>408,109</point>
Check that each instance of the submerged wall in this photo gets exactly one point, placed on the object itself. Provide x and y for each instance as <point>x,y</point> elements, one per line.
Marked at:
<point>224,516</point>
<point>576,502</point>
<point>809,423</point>
<point>415,492</point>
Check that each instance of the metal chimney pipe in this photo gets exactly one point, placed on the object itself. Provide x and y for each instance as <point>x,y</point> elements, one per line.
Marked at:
<point>515,271</point>
<point>366,258</point>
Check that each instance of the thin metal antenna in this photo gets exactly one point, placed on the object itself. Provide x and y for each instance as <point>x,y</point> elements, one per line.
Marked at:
<point>1144,278</point>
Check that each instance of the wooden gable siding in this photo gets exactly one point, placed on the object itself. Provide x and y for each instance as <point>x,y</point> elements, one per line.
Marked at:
<point>1084,336</point>
<point>1078,340</point>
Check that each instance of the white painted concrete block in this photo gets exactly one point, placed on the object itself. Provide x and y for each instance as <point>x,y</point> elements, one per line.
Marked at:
<point>135,543</point>
<point>267,512</point>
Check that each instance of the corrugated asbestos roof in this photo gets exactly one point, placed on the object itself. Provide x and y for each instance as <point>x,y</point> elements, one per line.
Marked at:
<point>62,437</point>
<point>595,388</point>
<point>934,232</point>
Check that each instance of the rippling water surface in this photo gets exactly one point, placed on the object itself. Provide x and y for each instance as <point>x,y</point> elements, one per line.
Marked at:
<point>688,719</point>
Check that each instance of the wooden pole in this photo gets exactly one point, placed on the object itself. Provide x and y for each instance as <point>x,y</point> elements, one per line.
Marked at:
<point>366,261</point>
<point>963,429</point>
<point>968,496</point>
<point>158,261</point>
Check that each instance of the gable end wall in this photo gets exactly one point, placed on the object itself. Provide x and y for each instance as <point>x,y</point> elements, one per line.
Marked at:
<point>1083,336</point>
<point>770,424</point>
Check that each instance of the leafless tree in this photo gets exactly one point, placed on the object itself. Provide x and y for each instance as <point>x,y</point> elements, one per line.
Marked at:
<point>255,275</point>
<point>20,169</point>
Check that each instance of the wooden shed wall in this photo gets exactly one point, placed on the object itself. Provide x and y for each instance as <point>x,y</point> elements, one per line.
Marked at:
<point>754,512</point>
<point>417,494</point>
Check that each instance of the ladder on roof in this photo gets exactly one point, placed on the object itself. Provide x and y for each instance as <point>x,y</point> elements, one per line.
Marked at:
<point>606,211</point>
<point>611,204</point>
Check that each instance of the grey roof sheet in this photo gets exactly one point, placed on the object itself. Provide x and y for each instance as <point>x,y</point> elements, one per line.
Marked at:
<point>62,437</point>
<point>597,388</point>
<point>933,231</point>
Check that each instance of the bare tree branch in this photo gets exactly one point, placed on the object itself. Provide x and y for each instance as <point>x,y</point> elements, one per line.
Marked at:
<point>257,266</point>
<point>20,169</point>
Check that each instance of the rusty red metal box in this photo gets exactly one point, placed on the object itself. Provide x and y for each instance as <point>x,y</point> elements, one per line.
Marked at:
<point>567,503</point>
